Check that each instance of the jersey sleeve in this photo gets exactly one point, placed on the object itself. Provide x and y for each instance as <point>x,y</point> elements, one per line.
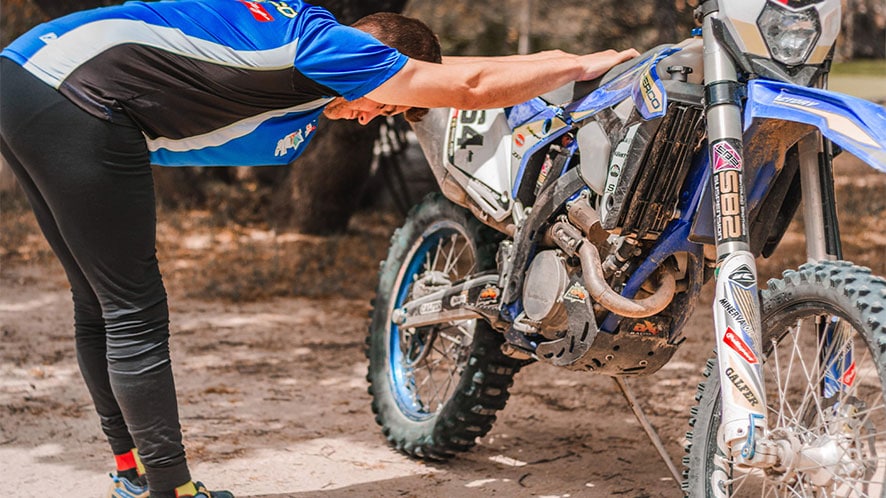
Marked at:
<point>344,59</point>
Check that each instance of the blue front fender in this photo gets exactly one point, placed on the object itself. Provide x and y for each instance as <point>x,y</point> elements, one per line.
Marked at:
<point>854,124</point>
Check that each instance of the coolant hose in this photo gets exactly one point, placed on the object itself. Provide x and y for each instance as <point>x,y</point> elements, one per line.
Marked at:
<point>592,274</point>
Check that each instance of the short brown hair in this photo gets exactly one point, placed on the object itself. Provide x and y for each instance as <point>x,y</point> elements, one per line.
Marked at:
<point>409,36</point>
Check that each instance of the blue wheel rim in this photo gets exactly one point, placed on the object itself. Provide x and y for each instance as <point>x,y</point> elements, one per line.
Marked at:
<point>402,374</point>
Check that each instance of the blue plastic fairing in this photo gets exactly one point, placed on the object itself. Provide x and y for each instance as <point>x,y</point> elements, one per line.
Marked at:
<point>854,124</point>
<point>642,83</point>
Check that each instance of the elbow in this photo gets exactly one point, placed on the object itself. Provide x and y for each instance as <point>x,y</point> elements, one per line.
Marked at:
<point>471,95</point>
<point>473,88</point>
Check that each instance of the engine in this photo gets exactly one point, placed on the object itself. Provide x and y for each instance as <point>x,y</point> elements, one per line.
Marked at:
<point>545,290</point>
<point>646,170</point>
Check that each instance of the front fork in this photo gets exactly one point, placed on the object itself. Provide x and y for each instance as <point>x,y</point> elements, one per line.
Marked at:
<point>736,305</point>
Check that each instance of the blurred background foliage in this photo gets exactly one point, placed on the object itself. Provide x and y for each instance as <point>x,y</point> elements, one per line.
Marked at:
<point>474,27</point>
<point>244,233</point>
<point>337,175</point>
<point>481,27</point>
<point>492,27</point>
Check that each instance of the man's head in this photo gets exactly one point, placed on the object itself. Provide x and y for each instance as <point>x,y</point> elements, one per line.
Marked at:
<point>410,37</point>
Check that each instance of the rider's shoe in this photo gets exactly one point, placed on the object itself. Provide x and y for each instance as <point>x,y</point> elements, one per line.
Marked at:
<point>199,491</point>
<point>128,488</point>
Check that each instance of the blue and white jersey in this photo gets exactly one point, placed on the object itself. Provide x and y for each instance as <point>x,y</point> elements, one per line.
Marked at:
<point>210,82</point>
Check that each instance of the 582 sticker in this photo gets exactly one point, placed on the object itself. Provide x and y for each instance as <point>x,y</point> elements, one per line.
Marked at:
<point>729,202</point>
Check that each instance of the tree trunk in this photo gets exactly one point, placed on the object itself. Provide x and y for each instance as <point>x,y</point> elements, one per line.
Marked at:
<point>54,8</point>
<point>325,184</point>
<point>669,21</point>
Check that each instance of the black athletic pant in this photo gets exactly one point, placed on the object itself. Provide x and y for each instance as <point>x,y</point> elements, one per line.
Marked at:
<point>89,183</point>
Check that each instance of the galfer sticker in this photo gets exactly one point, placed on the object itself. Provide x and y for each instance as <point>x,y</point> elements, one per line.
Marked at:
<point>742,386</point>
<point>737,344</point>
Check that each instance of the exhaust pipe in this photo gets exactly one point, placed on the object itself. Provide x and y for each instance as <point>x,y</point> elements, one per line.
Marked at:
<point>571,240</point>
<point>592,275</point>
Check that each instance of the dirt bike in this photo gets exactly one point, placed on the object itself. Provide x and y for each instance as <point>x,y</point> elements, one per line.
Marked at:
<point>578,228</point>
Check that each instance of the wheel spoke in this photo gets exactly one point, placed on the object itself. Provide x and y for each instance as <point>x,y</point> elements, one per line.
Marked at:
<point>810,389</point>
<point>789,369</point>
<point>422,379</point>
<point>779,388</point>
<point>741,480</point>
<point>431,392</point>
<point>457,258</point>
<point>450,248</point>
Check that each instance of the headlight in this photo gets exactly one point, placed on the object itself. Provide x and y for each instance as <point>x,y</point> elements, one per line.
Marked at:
<point>789,35</point>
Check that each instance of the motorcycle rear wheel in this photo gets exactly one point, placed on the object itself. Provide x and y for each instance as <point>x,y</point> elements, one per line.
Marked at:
<point>435,389</point>
<point>843,416</point>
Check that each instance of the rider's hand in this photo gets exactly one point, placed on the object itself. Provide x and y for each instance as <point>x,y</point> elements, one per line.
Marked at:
<point>596,64</point>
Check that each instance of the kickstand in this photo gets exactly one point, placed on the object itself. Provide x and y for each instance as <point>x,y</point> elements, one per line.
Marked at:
<point>650,431</point>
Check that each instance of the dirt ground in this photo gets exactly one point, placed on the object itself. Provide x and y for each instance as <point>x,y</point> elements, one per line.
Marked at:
<point>268,336</point>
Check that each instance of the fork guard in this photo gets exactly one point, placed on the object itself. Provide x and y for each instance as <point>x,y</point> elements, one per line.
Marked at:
<point>854,124</point>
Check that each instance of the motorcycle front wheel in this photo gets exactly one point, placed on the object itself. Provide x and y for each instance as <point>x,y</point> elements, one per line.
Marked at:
<point>823,342</point>
<point>435,389</point>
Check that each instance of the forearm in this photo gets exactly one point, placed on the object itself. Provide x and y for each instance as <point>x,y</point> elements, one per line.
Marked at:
<point>475,85</point>
<point>548,54</point>
<point>502,83</point>
<point>490,82</point>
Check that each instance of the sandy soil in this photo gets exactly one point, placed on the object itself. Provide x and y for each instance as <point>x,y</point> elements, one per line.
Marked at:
<point>268,332</point>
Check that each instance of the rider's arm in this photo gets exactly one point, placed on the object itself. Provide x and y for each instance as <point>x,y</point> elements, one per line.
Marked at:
<point>490,82</point>
<point>548,54</point>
